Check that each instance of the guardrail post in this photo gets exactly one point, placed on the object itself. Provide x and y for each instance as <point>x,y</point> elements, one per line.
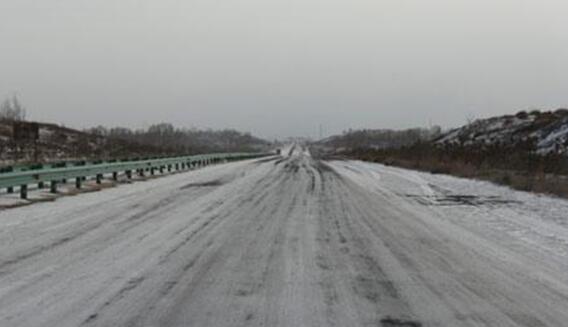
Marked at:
<point>129,174</point>
<point>53,188</point>
<point>10,190</point>
<point>99,178</point>
<point>152,171</point>
<point>40,185</point>
<point>24,192</point>
<point>78,181</point>
<point>177,166</point>
<point>141,172</point>
<point>115,176</point>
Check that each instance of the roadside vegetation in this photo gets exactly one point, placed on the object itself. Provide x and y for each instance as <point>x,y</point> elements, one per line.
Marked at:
<point>27,142</point>
<point>526,151</point>
<point>517,167</point>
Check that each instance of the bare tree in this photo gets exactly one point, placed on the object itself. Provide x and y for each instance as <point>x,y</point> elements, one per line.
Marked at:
<point>12,110</point>
<point>470,118</point>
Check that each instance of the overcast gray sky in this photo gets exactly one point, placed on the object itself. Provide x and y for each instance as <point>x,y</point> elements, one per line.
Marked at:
<point>282,67</point>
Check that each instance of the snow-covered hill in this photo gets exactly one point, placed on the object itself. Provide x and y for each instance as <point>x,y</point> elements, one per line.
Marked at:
<point>548,131</point>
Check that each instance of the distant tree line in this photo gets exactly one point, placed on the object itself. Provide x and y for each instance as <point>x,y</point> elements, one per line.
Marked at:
<point>169,139</point>
<point>22,141</point>
<point>383,138</point>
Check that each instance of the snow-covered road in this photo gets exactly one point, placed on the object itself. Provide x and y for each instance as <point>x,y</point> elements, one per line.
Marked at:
<point>288,241</point>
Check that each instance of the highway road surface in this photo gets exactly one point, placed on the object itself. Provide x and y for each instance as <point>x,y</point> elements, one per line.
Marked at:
<point>288,241</point>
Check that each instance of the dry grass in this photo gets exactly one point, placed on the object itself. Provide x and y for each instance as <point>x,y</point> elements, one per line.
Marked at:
<point>536,182</point>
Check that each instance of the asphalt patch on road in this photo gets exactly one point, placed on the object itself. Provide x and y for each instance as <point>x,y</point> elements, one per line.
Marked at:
<point>291,151</point>
<point>392,322</point>
<point>459,200</point>
<point>260,161</point>
<point>292,167</point>
<point>279,161</point>
<point>204,184</point>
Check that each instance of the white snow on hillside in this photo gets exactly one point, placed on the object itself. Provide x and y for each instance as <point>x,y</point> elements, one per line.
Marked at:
<point>549,131</point>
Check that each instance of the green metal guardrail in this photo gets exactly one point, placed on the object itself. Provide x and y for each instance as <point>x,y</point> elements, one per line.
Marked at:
<point>54,176</point>
<point>64,164</point>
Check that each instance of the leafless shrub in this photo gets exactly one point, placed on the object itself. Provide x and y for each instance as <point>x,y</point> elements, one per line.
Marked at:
<point>12,110</point>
